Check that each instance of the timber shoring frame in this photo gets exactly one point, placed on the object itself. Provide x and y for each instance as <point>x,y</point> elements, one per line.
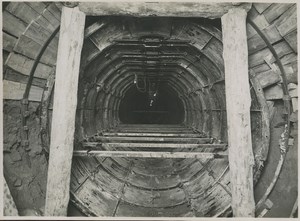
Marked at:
<point>286,99</point>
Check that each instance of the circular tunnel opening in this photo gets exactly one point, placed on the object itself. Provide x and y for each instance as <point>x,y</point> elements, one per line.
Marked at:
<point>144,78</point>
<point>151,102</point>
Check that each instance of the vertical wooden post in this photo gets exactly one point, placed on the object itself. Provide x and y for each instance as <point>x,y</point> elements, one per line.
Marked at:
<point>64,109</point>
<point>238,101</point>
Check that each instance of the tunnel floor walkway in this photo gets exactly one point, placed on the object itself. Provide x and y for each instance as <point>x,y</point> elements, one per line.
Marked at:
<point>152,141</point>
<point>150,169</point>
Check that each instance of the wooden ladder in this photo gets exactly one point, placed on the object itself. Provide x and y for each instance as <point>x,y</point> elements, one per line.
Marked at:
<point>152,141</point>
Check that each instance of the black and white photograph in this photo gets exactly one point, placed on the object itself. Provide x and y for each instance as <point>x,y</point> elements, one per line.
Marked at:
<point>149,110</point>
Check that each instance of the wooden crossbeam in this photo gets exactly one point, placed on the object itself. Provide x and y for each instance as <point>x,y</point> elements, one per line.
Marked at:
<point>138,154</point>
<point>131,134</point>
<point>151,126</point>
<point>158,130</point>
<point>152,145</point>
<point>177,9</point>
<point>154,139</point>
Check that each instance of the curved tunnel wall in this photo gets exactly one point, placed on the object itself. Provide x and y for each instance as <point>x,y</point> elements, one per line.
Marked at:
<point>161,187</point>
<point>170,59</point>
<point>189,54</point>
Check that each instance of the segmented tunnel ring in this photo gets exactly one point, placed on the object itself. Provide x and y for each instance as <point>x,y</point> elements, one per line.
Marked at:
<point>178,187</point>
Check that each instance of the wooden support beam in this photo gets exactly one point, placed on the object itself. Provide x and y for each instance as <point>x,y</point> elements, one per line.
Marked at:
<point>238,101</point>
<point>151,126</point>
<point>139,154</point>
<point>64,107</point>
<point>152,130</point>
<point>154,139</point>
<point>176,9</point>
<point>152,145</point>
<point>131,134</point>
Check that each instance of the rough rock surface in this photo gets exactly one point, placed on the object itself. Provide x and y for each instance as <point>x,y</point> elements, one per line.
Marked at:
<point>25,171</point>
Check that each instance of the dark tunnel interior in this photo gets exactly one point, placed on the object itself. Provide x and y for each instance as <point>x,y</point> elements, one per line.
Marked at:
<point>151,102</point>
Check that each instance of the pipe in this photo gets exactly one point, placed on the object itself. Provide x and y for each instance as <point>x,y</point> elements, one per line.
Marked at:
<point>37,60</point>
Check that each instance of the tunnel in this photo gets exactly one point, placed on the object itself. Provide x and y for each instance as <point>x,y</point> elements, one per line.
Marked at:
<point>155,106</point>
<point>162,76</point>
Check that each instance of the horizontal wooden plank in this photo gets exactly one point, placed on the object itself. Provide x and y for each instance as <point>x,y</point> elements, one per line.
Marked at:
<point>295,104</point>
<point>42,21</point>
<point>291,39</point>
<point>253,13</point>
<point>30,48</point>
<point>209,203</point>
<point>14,91</point>
<point>153,182</point>
<point>275,10</point>
<point>93,28</point>
<point>150,130</point>
<point>195,185</point>
<point>261,7</point>
<point>261,68</point>
<point>153,139</point>
<point>108,182</point>
<point>54,10</point>
<point>293,90</point>
<point>12,24</point>
<point>136,154</point>
<point>89,52</point>
<point>130,210</point>
<point>39,34</point>
<point>151,145</point>
<point>158,199</point>
<point>289,58</point>
<point>51,18</point>
<point>214,50</point>
<point>93,199</point>
<point>18,9</point>
<point>288,21</point>
<point>268,78</point>
<point>5,55</point>
<point>141,166</point>
<point>199,37</point>
<point>79,174</point>
<point>103,37</point>
<point>260,21</point>
<point>151,134</point>
<point>291,71</point>
<point>250,31</point>
<point>117,167</point>
<point>281,48</point>
<point>273,93</point>
<point>151,126</point>
<point>9,41</point>
<point>154,126</point>
<point>24,64</point>
<point>37,6</point>
<point>189,9</point>
<point>12,75</point>
<point>256,43</point>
